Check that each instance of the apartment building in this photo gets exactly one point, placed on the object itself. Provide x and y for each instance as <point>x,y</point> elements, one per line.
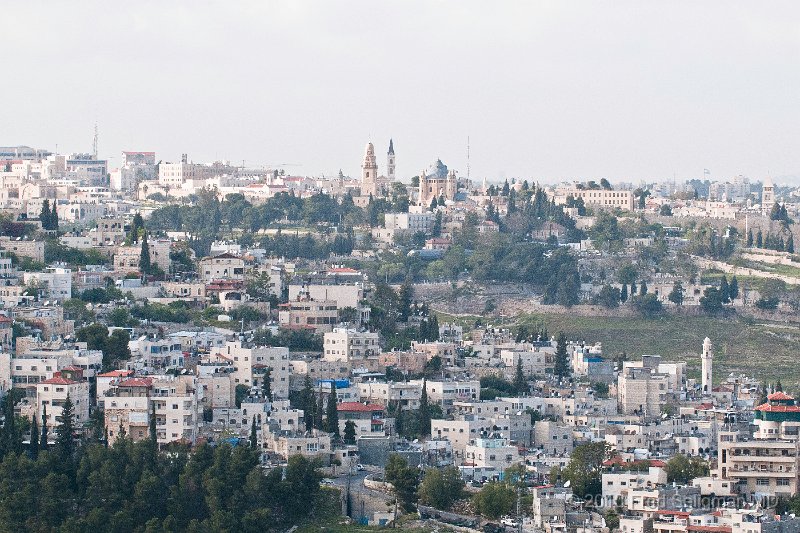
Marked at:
<point>641,391</point>
<point>608,199</point>
<point>222,266</point>
<point>250,365</point>
<point>768,463</point>
<point>42,362</point>
<point>405,394</point>
<point>343,344</point>
<point>55,283</point>
<point>319,316</point>
<point>52,393</point>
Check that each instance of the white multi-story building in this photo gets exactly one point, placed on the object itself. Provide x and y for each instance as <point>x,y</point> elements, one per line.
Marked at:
<point>343,344</point>
<point>55,282</point>
<point>250,364</point>
<point>223,266</point>
<point>405,394</point>
<point>52,393</point>
<point>173,175</point>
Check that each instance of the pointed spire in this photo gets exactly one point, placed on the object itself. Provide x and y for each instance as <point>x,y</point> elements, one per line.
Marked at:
<point>391,147</point>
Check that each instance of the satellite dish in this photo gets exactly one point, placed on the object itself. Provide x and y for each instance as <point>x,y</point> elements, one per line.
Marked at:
<point>566,484</point>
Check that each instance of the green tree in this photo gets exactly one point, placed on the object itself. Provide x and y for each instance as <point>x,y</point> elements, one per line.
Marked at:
<point>562,367</point>
<point>749,243</point>
<point>643,288</point>
<point>404,479</point>
<point>626,274</point>
<point>266,384</point>
<point>712,302</point>
<point>54,217</point>
<point>790,244</point>
<point>424,411</point>
<point>65,432</point>
<point>349,432</point>
<point>495,500</point>
<point>152,426</point>
<point>520,383</point>
<point>144,256</point>
<point>759,239</point>
<point>437,225</point>
<point>623,293</point>
<point>33,450</point>
<point>332,415</point>
<point>676,295</point>
<point>584,469</point>
<point>733,288</point>
<point>253,435</point>
<point>724,290</point>
<point>43,440</point>
<point>682,469</point>
<point>307,403</point>
<point>609,297</point>
<point>440,488</point>
<point>648,305</point>
<point>44,214</point>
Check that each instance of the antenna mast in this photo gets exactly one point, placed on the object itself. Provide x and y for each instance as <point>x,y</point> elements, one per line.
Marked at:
<point>94,143</point>
<point>467,157</point>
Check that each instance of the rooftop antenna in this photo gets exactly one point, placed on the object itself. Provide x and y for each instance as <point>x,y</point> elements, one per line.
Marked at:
<point>467,157</point>
<point>94,143</point>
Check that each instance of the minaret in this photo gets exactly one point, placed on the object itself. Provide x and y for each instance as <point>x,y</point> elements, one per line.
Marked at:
<point>390,161</point>
<point>707,359</point>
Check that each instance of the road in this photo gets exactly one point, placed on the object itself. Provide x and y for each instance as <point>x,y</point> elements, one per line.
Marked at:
<point>363,501</point>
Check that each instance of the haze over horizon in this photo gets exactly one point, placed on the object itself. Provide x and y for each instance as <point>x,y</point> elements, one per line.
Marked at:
<point>544,90</point>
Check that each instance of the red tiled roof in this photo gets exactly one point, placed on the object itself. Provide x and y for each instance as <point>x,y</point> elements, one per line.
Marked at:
<point>58,380</point>
<point>358,407</point>
<point>115,374</point>
<point>5,320</point>
<point>780,395</point>
<point>709,529</point>
<point>137,382</point>
<point>778,408</point>
<point>705,406</point>
<point>344,270</point>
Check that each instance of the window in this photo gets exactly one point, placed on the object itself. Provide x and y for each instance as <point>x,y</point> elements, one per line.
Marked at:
<point>762,481</point>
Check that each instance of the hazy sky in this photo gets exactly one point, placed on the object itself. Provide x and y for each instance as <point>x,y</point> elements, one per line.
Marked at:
<point>545,90</point>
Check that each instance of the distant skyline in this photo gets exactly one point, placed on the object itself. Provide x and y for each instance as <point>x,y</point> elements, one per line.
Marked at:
<point>626,90</point>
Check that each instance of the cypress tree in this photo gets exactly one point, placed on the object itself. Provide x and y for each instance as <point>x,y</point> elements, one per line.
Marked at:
<point>144,256</point>
<point>643,288</point>
<point>153,432</point>
<point>320,411</point>
<point>332,415</point>
<point>520,383</point>
<point>759,239</point>
<point>253,435</point>
<point>398,419</point>
<point>562,367</point>
<point>308,403</point>
<point>44,215</point>
<point>633,288</point>
<point>43,441</point>
<point>266,384</point>
<point>623,293</point>
<point>64,432</point>
<point>733,288</point>
<point>54,217</point>
<point>33,450</point>
<point>790,244</point>
<point>424,411</point>
<point>724,290</point>
<point>749,238</point>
